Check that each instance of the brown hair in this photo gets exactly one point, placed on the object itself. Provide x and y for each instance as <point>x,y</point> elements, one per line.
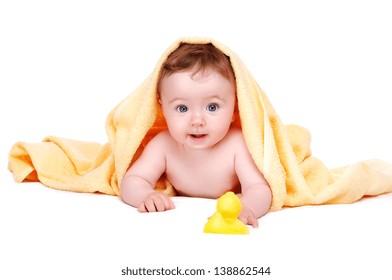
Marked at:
<point>197,57</point>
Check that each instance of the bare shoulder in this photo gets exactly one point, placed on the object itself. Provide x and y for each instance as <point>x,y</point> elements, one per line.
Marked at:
<point>151,163</point>
<point>163,138</point>
<point>158,144</point>
<point>238,146</point>
<point>235,137</point>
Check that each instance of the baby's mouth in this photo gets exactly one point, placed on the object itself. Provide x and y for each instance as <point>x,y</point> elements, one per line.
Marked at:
<point>197,136</point>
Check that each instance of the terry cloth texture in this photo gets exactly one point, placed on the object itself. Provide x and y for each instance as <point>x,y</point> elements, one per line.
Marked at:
<point>282,153</point>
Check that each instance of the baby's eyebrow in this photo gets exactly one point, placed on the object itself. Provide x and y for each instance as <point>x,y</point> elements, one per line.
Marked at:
<point>215,97</point>
<point>176,99</point>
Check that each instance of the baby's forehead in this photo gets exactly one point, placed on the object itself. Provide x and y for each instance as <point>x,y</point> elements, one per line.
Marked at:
<point>188,81</point>
<point>206,75</point>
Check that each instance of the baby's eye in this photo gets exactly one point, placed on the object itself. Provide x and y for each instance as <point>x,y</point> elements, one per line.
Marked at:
<point>212,107</point>
<point>182,108</point>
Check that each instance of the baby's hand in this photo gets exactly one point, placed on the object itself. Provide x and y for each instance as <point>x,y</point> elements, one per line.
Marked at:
<point>247,217</point>
<point>156,202</point>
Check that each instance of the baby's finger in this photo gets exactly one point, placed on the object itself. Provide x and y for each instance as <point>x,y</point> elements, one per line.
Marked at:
<point>243,219</point>
<point>160,204</point>
<point>149,205</point>
<point>253,222</point>
<point>169,204</point>
<point>249,220</point>
<point>142,208</point>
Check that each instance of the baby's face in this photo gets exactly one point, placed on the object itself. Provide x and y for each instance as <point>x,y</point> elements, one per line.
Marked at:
<point>198,109</point>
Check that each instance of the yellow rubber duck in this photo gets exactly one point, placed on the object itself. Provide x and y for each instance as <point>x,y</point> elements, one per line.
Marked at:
<point>225,219</point>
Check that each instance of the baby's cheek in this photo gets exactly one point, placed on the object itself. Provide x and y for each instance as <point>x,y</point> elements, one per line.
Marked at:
<point>222,129</point>
<point>177,133</point>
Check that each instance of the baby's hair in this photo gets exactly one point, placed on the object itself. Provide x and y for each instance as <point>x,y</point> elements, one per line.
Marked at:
<point>198,58</point>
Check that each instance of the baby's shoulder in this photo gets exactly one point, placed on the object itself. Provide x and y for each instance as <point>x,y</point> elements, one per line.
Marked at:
<point>162,139</point>
<point>158,145</point>
<point>234,135</point>
<point>236,140</point>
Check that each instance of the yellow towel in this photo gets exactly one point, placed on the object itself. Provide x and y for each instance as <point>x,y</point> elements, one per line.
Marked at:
<point>281,152</point>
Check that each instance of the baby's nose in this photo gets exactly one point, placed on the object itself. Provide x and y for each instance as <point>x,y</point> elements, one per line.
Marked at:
<point>198,120</point>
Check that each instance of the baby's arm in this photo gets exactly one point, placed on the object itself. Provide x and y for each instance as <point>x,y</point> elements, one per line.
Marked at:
<point>137,186</point>
<point>256,194</point>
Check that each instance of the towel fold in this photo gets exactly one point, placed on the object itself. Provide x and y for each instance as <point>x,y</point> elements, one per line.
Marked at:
<point>282,153</point>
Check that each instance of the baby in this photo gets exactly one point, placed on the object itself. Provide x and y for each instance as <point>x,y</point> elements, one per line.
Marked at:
<point>202,153</point>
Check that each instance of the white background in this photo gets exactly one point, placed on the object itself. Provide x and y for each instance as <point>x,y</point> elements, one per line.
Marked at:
<point>326,65</point>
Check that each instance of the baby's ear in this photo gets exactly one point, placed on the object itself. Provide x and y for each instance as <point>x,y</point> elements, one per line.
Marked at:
<point>159,98</point>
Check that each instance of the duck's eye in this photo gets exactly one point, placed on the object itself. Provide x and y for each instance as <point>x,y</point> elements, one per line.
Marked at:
<point>182,109</point>
<point>212,107</point>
